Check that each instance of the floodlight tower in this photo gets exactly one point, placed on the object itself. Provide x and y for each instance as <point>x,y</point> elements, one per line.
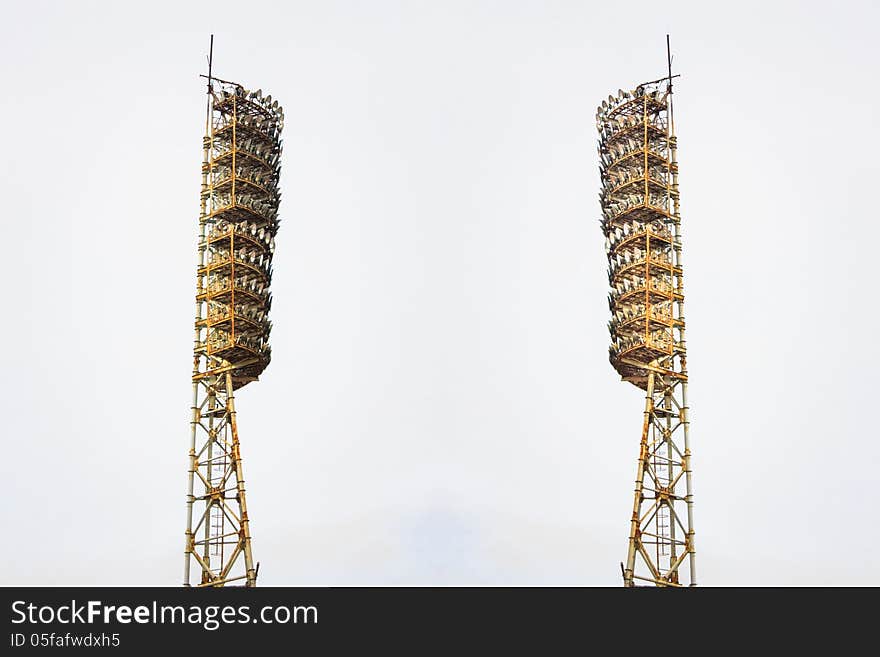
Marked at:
<point>642,226</point>
<point>237,227</point>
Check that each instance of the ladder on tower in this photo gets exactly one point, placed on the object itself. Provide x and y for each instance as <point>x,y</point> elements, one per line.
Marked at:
<point>662,519</point>
<point>217,518</point>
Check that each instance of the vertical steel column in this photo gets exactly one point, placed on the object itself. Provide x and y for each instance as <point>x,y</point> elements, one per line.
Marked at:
<point>681,343</point>
<point>197,344</point>
<point>245,532</point>
<point>682,346</point>
<point>190,499</point>
<point>209,472</point>
<point>635,522</point>
<point>670,471</point>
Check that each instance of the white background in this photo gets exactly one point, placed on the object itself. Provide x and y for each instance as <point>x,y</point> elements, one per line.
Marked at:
<point>439,409</point>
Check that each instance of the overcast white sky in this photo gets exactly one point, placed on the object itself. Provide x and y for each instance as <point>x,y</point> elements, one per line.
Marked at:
<point>440,409</point>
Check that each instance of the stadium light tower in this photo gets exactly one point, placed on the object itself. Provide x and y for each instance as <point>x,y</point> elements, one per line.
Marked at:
<point>642,226</point>
<point>237,226</point>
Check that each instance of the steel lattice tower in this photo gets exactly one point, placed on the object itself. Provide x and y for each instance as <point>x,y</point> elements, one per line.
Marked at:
<point>237,227</point>
<point>642,226</point>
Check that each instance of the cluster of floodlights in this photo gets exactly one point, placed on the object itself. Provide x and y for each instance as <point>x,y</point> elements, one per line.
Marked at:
<point>244,170</point>
<point>636,174</point>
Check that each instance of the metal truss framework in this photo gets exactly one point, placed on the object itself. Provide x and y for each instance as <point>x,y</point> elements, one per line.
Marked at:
<point>642,225</point>
<point>661,541</point>
<point>221,535</point>
<point>237,227</point>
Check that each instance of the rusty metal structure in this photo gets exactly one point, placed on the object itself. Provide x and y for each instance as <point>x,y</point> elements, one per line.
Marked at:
<point>641,222</point>
<point>237,227</point>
